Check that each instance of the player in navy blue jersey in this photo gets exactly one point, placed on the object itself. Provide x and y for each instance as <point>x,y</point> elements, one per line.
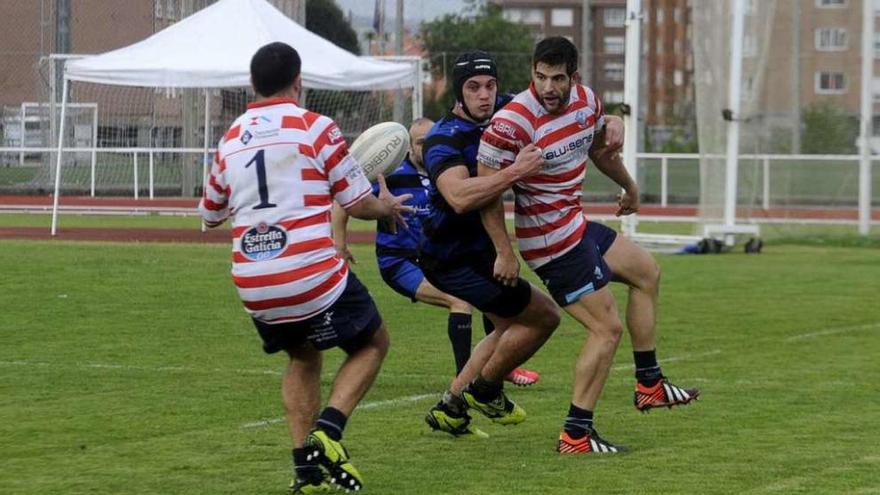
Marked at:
<point>458,257</point>
<point>397,253</point>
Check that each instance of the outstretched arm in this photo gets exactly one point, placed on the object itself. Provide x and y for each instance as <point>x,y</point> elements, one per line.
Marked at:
<point>465,193</point>
<point>609,163</point>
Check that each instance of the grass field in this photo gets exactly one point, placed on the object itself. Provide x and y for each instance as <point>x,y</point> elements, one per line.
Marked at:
<point>133,369</point>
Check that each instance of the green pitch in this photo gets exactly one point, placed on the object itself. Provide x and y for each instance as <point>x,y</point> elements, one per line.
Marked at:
<point>133,369</point>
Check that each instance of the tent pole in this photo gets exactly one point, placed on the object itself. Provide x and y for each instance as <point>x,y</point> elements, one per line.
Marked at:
<point>205,156</point>
<point>58,159</point>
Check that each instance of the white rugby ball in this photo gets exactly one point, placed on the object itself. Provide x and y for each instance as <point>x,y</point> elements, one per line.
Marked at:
<point>381,148</point>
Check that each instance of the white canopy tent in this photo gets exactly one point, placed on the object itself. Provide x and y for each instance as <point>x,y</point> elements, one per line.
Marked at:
<point>213,48</point>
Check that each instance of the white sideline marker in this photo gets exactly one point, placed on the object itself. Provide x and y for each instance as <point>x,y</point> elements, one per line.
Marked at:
<point>834,331</point>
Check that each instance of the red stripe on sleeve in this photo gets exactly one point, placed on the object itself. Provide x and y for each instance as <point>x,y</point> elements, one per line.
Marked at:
<point>339,186</point>
<point>291,122</point>
<point>232,133</point>
<point>313,174</point>
<point>307,150</point>
<point>310,118</point>
<point>212,181</point>
<point>335,158</point>
<point>210,205</point>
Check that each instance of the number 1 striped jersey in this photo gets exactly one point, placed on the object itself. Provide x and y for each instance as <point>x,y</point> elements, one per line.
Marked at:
<point>277,171</point>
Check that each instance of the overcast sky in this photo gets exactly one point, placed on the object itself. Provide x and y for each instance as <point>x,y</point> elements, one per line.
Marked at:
<point>421,10</point>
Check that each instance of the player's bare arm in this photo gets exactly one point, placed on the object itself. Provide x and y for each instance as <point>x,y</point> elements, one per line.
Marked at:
<point>386,205</point>
<point>339,224</point>
<point>465,193</point>
<point>611,164</point>
<point>492,215</point>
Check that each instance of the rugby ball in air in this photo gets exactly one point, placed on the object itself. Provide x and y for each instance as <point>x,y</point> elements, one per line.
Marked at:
<point>381,148</point>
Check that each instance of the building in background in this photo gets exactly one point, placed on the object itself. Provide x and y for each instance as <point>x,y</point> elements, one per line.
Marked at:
<point>606,33</point>
<point>667,72</point>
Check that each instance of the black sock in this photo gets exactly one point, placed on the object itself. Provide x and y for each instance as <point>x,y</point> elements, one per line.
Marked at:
<point>578,422</point>
<point>453,404</point>
<point>306,469</point>
<point>459,330</point>
<point>484,390</point>
<point>647,370</point>
<point>488,326</point>
<point>332,421</point>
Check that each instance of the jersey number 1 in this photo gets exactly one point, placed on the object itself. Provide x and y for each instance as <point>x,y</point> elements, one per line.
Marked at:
<point>260,160</point>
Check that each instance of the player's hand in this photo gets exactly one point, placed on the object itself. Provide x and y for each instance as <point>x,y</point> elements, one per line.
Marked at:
<point>506,269</point>
<point>628,201</point>
<point>395,205</point>
<point>343,252</point>
<point>529,161</point>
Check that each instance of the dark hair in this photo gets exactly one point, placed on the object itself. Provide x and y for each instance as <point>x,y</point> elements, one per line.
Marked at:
<point>556,50</point>
<point>468,65</point>
<point>274,68</point>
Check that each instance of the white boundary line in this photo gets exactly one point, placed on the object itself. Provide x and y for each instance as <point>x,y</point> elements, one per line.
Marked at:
<point>365,406</point>
<point>833,331</point>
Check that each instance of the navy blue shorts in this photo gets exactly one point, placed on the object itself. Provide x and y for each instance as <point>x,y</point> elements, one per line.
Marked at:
<point>472,280</point>
<point>583,269</point>
<point>348,323</point>
<point>404,277</point>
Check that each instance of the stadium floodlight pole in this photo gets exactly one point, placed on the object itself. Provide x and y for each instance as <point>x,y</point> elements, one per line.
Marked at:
<point>632,58</point>
<point>54,228</point>
<point>736,50</point>
<point>866,117</point>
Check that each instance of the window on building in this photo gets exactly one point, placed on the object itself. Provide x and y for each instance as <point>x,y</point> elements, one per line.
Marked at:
<point>830,82</point>
<point>659,79</point>
<point>614,44</point>
<point>660,15</point>
<point>613,71</point>
<point>525,16</point>
<point>562,17</point>
<point>831,4</point>
<point>612,97</point>
<point>831,39</point>
<point>678,77</point>
<point>659,109</point>
<point>614,17</point>
<point>659,45</point>
<point>172,10</point>
<point>876,45</point>
<point>159,7</point>
<point>676,15</point>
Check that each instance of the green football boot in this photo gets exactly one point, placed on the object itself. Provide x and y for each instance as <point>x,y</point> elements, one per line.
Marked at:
<point>333,457</point>
<point>500,410</point>
<point>440,419</point>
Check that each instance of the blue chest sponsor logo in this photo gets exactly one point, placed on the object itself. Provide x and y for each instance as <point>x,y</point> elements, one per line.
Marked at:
<point>263,242</point>
<point>580,145</point>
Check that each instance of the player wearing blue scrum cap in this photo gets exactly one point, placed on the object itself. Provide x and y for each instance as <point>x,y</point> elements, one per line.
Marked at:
<point>458,258</point>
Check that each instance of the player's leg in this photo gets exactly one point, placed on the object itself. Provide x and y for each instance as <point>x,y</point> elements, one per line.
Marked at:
<point>525,318</point>
<point>407,279</point>
<point>301,396</point>
<point>578,281</point>
<point>636,268</point>
<point>353,324</point>
<point>458,323</point>
<point>597,312</point>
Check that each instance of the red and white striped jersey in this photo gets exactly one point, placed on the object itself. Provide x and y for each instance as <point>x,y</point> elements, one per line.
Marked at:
<point>276,173</point>
<point>548,216</point>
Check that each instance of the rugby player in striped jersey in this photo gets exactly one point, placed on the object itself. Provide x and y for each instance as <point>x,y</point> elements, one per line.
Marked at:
<point>574,257</point>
